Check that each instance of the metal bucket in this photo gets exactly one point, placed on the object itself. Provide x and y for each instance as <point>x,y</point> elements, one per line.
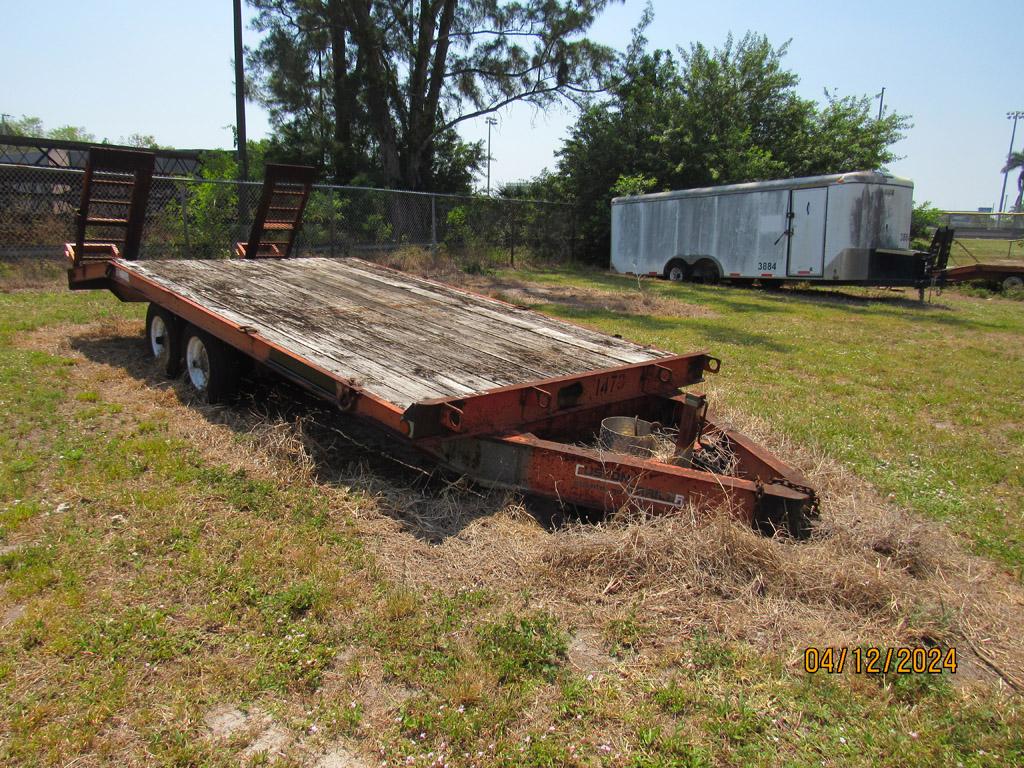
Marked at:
<point>628,434</point>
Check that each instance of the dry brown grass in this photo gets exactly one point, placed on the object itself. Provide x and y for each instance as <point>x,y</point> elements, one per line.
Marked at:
<point>872,574</point>
<point>638,302</point>
<point>32,274</point>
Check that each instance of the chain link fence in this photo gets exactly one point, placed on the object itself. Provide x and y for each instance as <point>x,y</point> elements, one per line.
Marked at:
<point>197,218</point>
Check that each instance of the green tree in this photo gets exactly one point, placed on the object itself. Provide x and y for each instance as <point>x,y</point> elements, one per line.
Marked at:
<point>33,127</point>
<point>711,116</point>
<point>25,126</point>
<point>924,219</point>
<point>142,141</point>
<point>378,86</point>
<point>1016,162</point>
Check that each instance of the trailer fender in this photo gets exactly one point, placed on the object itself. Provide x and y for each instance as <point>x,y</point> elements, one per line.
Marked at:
<point>706,270</point>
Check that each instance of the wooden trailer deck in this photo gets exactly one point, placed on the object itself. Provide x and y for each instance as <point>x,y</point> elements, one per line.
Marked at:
<point>399,337</point>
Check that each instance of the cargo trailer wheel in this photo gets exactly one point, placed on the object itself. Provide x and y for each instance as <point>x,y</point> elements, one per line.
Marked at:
<point>1013,283</point>
<point>676,271</point>
<point>163,337</point>
<point>706,271</point>
<point>211,365</point>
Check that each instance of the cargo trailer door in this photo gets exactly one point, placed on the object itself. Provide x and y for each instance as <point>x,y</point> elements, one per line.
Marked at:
<point>808,208</point>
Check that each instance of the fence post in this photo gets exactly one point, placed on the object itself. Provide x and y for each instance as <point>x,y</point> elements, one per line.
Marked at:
<point>331,220</point>
<point>572,235</point>
<point>184,220</point>
<point>512,238</point>
<point>433,224</point>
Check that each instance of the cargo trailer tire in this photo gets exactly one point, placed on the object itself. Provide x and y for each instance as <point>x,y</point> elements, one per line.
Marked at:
<point>676,271</point>
<point>1013,283</point>
<point>706,271</point>
<point>211,366</point>
<point>163,340</point>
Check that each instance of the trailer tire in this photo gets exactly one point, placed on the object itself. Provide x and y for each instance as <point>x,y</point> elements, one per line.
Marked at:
<point>705,271</point>
<point>163,339</point>
<point>676,271</point>
<point>211,366</point>
<point>1013,283</point>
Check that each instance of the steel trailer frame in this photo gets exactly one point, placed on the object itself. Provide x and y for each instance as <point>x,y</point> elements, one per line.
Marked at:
<point>529,436</point>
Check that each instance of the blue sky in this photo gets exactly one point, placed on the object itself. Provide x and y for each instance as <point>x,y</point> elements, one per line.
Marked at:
<point>165,69</point>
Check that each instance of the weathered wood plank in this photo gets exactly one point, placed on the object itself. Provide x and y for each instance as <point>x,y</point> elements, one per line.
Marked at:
<point>401,338</point>
<point>366,372</point>
<point>498,348</point>
<point>562,332</point>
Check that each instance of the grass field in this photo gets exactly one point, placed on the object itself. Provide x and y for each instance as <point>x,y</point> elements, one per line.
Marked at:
<point>195,586</point>
<point>987,251</point>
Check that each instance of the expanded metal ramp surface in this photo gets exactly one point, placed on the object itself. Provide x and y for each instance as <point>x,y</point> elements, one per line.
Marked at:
<point>399,337</point>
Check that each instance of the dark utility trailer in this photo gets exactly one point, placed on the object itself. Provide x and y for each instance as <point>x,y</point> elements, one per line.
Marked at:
<point>505,395</point>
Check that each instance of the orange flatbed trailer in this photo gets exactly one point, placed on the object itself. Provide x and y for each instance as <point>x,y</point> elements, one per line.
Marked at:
<point>505,395</point>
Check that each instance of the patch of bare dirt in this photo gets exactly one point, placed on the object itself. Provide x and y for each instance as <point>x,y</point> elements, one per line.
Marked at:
<point>586,652</point>
<point>339,757</point>
<point>12,614</point>
<point>260,740</point>
<point>225,721</point>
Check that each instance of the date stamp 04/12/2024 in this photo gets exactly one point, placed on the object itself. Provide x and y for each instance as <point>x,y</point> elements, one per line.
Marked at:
<point>880,661</point>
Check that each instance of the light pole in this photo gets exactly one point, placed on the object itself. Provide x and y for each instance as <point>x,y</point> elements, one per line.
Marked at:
<point>490,121</point>
<point>881,101</point>
<point>1015,116</point>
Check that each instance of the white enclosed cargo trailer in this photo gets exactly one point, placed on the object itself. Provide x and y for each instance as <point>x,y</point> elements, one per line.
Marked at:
<point>851,228</point>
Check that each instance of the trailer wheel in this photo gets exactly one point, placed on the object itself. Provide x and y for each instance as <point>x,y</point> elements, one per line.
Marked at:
<point>706,271</point>
<point>163,337</point>
<point>1013,283</point>
<point>211,365</point>
<point>676,271</point>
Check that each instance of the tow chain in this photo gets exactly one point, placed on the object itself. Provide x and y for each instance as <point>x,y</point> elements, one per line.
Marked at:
<point>813,510</point>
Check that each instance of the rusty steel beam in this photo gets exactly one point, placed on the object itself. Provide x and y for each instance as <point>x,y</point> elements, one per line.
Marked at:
<point>508,408</point>
<point>609,482</point>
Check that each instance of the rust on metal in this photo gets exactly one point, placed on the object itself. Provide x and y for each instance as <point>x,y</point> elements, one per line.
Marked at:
<point>279,212</point>
<point>115,191</point>
<point>506,408</point>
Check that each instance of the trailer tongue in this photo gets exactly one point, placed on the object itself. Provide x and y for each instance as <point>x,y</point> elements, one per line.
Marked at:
<point>507,396</point>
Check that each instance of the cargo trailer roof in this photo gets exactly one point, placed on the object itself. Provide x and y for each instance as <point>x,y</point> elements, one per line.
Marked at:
<point>402,338</point>
<point>854,177</point>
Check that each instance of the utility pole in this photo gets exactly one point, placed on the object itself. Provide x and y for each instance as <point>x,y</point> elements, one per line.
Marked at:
<point>490,121</point>
<point>1015,116</point>
<point>243,155</point>
<point>881,101</point>
<point>243,159</point>
<point>3,120</point>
